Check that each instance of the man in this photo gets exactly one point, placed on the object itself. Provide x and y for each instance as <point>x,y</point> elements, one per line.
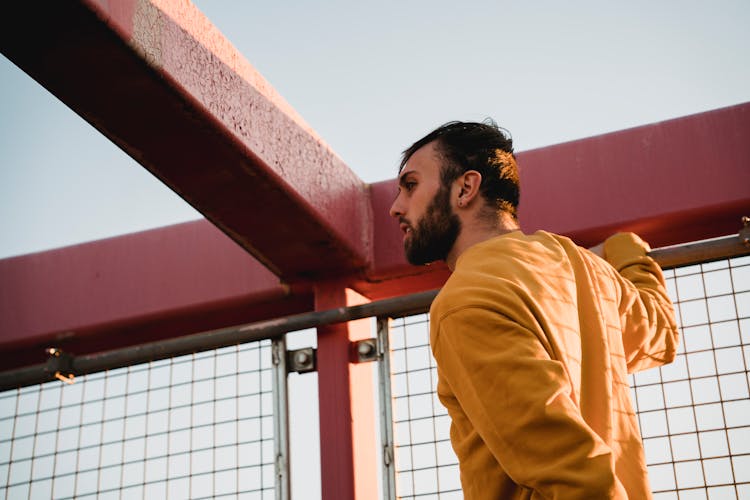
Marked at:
<point>533,335</point>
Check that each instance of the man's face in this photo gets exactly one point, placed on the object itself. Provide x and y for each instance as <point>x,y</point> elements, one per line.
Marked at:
<point>424,210</point>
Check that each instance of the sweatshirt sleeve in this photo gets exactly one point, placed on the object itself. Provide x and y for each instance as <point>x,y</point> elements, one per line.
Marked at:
<point>650,334</point>
<point>518,400</point>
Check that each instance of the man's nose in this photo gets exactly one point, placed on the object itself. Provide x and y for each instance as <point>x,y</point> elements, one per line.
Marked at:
<point>396,208</point>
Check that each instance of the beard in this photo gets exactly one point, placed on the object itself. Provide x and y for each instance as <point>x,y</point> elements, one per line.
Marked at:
<point>436,231</point>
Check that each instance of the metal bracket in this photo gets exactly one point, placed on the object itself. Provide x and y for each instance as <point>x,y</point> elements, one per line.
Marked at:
<point>365,350</point>
<point>60,364</point>
<point>302,360</point>
<point>745,231</point>
<point>387,455</point>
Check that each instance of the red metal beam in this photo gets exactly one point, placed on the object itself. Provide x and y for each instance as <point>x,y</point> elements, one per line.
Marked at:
<point>675,181</point>
<point>183,279</point>
<point>161,82</point>
<point>131,289</point>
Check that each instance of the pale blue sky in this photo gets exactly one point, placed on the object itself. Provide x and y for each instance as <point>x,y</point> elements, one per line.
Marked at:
<point>370,79</point>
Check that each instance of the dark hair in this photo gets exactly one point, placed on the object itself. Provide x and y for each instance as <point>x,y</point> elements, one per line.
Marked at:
<point>483,147</point>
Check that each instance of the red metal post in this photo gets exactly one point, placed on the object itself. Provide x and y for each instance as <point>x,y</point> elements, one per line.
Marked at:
<point>346,396</point>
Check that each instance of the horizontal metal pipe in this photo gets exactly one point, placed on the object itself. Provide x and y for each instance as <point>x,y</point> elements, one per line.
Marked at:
<point>216,339</point>
<point>668,257</point>
<point>703,251</point>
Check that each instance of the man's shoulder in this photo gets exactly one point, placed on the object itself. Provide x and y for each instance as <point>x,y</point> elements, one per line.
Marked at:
<point>477,285</point>
<point>513,257</point>
<point>507,270</point>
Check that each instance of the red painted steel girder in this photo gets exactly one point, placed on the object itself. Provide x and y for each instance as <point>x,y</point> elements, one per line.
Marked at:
<point>672,182</point>
<point>182,279</point>
<point>136,288</point>
<point>160,81</point>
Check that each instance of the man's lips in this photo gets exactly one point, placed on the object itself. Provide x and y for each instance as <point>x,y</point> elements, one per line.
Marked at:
<point>405,227</point>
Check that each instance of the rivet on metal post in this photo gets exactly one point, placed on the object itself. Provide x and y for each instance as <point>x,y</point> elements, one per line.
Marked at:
<point>366,350</point>
<point>60,364</point>
<point>301,360</point>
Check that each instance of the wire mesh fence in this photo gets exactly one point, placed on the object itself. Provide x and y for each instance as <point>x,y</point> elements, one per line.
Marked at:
<point>195,426</point>
<point>426,464</point>
<point>694,414</point>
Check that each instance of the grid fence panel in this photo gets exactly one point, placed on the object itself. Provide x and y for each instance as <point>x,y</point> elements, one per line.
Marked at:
<point>694,414</point>
<point>425,462</point>
<point>195,426</point>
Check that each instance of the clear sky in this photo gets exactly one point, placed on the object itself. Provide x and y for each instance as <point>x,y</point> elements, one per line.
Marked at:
<point>372,78</point>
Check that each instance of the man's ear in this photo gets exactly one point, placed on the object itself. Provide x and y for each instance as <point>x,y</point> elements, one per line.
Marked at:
<point>468,184</point>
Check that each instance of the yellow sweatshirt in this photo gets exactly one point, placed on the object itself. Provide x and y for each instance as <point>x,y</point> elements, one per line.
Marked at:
<point>533,338</point>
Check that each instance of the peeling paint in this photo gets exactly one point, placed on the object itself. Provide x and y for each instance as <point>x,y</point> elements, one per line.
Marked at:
<point>147,28</point>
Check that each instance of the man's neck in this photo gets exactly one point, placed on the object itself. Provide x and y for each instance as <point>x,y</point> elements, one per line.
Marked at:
<point>477,233</point>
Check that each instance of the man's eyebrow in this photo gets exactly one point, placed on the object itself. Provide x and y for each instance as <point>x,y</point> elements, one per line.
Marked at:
<point>404,175</point>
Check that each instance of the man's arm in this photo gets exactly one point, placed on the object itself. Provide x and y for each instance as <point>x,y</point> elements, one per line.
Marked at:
<point>650,334</point>
<point>518,400</point>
